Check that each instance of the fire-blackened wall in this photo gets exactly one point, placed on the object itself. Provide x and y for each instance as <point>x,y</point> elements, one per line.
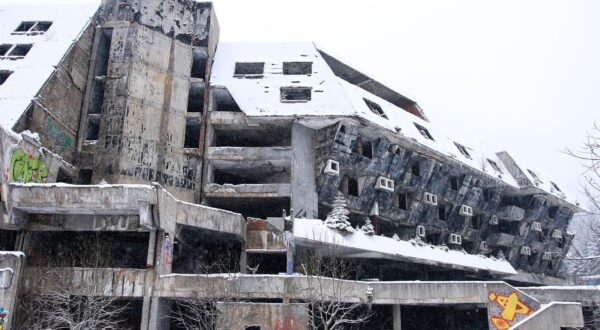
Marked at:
<point>142,125</point>
<point>364,156</point>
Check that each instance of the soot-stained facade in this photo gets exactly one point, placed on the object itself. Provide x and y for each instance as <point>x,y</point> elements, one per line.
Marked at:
<point>146,165</point>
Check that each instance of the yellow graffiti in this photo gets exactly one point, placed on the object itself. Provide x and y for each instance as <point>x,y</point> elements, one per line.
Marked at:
<point>511,307</point>
<point>25,168</point>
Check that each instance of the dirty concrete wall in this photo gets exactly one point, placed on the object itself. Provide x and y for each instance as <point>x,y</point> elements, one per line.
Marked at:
<point>304,196</point>
<point>55,112</point>
<point>10,272</point>
<point>239,316</point>
<point>23,160</point>
<point>415,171</point>
<point>143,121</point>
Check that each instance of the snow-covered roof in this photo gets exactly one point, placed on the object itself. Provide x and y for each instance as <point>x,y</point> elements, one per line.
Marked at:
<point>315,231</point>
<point>32,71</point>
<point>331,96</point>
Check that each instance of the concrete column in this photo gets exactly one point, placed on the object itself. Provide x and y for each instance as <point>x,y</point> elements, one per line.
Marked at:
<point>243,259</point>
<point>159,314</point>
<point>396,311</point>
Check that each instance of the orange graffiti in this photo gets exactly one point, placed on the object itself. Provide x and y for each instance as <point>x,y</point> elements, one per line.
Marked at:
<point>511,307</point>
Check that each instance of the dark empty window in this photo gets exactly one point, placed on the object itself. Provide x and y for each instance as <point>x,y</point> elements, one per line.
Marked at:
<point>552,212</point>
<point>249,68</point>
<point>375,108</point>
<point>253,327</point>
<point>367,149</point>
<point>92,130</point>
<point>4,48</point>
<point>352,187</point>
<point>424,132</point>
<point>476,221</point>
<point>21,50</point>
<point>295,94</point>
<point>62,176</point>
<point>463,150</point>
<point>32,27</point>
<point>402,201</point>
<point>534,175</point>
<point>349,186</point>
<point>454,183</point>
<point>24,26</point>
<point>552,183</point>
<point>443,212</point>
<point>415,169</point>
<point>85,176</point>
<point>297,67</point>
<point>192,132</point>
<point>495,166</point>
<point>343,129</point>
<point>4,74</point>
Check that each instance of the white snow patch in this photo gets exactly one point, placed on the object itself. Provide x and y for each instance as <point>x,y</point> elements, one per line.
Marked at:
<point>316,231</point>
<point>31,72</point>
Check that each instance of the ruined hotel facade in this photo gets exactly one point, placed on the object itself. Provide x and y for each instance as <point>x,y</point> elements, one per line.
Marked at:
<point>129,125</point>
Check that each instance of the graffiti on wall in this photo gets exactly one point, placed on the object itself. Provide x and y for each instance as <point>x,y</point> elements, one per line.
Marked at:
<point>58,134</point>
<point>510,308</point>
<point>3,316</point>
<point>26,168</point>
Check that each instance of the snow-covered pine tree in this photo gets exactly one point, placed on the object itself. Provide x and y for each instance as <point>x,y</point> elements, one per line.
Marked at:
<point>338,217</point>
<point>367,228</point>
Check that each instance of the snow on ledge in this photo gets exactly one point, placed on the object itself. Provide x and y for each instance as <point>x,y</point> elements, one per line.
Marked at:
<point>316,231</point>
<point>12,253</point>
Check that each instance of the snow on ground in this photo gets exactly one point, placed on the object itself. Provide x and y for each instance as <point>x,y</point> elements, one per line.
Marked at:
<point>312,230</point>
<point>31,72</point>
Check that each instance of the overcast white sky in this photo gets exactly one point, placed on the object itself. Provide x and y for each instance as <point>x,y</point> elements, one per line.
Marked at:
<point>521,76</point>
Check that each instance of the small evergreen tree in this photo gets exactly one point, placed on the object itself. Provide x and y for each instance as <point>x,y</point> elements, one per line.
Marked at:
<point>338,217</point>
<point>367,228</point>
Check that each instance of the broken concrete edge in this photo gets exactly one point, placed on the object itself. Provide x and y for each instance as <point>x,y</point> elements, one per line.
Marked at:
<point>124,199</point>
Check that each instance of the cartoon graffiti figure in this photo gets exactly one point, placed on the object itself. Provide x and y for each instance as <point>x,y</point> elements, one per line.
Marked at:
<point>511,307</point>
<point>25,168</point>
<point>3,315</point>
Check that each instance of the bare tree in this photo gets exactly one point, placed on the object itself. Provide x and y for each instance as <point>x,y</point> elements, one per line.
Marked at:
<point>49,302</point>
<point>329,278</point>
<point>209,309</point>
<point>584,255</point>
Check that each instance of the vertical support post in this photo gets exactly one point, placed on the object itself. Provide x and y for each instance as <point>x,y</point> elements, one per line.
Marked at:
<point>397,315</point>
<point>289,243</point>
<point>243,259</point>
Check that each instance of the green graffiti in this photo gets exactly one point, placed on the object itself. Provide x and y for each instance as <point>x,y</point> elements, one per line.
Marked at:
<point>58,135</point>
<point>26,169</point>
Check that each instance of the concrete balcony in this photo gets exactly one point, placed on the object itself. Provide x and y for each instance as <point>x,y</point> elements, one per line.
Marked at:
<point>77,199</point>
<point>511,213</point>
<point>500,239</point>
<point>113,282</point>
<point>249,154</point>
<point>247,190</point>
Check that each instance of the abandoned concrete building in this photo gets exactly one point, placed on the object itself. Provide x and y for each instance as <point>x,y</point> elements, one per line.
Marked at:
<point>144,161</point>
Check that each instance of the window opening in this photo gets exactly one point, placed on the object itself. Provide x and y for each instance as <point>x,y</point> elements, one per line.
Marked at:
<point>295,94</point>
<point>402,201</point>
<point>415,169</point>
<point>297,68</point>
<point>4,74</point>
<point>192,132</point>
<point>4,48</point>
<point>463,150</point>
<point>495,166</point>
<point>375,108</point>
<point>249,68</point>
<point>424,132</point>
<point>454,183</point>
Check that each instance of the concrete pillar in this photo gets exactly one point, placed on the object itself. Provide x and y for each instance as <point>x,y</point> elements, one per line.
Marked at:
<point>397,315</point>
<point>160,309</point>
<point>243,259</point>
